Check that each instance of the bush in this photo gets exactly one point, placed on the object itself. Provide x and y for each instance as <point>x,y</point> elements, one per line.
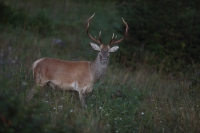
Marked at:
<point>10,16</point>
<point>18,117</point>
<point>169,30</point>
<point>38,23</point>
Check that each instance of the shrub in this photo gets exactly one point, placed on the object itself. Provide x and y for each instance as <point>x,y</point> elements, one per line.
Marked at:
<point>38,23</point>
<point>16,116</point>
<point>169,30</point>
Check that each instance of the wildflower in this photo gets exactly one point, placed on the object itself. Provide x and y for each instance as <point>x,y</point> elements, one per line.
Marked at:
<point>47,101</point>
<point>24,83</point>
<point>60,106</point>
<point>142,113</point>
<point>100,107</point>
<point>71,110</point>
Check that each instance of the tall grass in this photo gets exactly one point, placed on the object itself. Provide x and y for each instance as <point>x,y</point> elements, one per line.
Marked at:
<point>124,101</point>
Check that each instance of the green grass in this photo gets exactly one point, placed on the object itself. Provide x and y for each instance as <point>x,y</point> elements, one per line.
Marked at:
<point>125,101</point>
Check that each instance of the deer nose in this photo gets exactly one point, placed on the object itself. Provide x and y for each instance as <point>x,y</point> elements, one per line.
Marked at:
<point>104,60</point>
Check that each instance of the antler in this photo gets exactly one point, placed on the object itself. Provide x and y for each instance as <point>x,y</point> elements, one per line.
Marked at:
<point>94,39</point>
<point>112,41</point>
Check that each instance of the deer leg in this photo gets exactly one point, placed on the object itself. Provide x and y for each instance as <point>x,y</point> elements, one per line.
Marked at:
<point>52,85</point>
<point>30,94</point>
<point>33,91</point>
<point>82,99</point>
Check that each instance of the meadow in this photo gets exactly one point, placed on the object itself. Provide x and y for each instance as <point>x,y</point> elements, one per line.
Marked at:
<point>127,100</point>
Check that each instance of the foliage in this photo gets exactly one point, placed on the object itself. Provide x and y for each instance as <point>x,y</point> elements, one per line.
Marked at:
<point>10,16</point>
<point>20,118</point>
<point>39,23</point>
<point>167,29</point>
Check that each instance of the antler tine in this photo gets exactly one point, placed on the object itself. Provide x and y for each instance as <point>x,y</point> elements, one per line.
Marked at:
<point>115,42</point>
<point>100,37</point>
<point>112,39</point>
<point>88,24</point>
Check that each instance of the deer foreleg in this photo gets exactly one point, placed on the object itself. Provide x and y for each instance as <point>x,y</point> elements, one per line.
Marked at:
<point>83,99</point>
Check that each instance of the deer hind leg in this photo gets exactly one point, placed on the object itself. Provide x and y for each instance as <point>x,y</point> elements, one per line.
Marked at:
<point>39,84</point>
<point>30,94</point>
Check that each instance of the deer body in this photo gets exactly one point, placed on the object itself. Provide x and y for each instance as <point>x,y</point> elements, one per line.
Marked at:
<point>65,75</point>
<point>79,76</point>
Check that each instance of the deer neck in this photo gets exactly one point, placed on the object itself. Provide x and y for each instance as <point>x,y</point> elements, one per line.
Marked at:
<point>98,69</point>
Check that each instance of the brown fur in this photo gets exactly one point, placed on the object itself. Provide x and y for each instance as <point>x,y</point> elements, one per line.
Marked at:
<point>49,69</point>
<point>64,75</point>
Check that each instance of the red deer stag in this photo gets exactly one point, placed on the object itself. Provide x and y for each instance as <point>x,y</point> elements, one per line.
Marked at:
<point>79,76</point>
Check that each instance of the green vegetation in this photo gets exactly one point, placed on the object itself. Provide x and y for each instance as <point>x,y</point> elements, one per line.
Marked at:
<point>127,100</point>
<point>168,30</point>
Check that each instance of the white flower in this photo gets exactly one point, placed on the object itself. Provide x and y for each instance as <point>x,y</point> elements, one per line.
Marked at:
<point>142,113</point>
<point>71,110</point>
<point>60,106</point>
<point>24,83</point>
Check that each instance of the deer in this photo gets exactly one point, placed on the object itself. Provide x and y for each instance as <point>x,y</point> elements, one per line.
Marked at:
<point>77,76</point>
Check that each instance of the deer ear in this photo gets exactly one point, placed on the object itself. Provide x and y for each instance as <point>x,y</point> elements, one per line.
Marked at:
<point>113,49</point>
<point>95,46</point>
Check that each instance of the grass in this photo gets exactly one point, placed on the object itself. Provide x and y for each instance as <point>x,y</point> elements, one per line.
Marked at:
<point>125,101</point>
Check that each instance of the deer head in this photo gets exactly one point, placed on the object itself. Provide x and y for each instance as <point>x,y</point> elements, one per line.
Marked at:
<point>105,50</point>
